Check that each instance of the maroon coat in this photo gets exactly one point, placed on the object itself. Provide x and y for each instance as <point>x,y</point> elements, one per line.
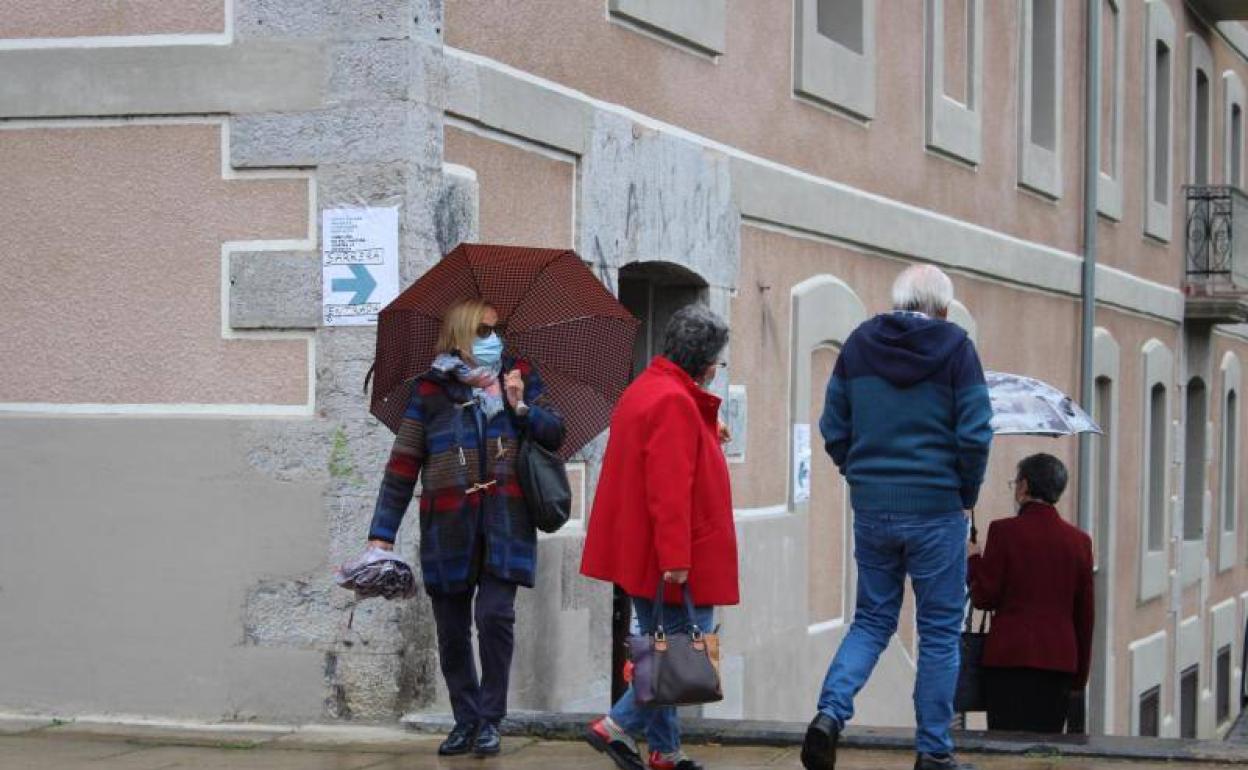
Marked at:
<point>1036,575</point>
<point>664,501</point>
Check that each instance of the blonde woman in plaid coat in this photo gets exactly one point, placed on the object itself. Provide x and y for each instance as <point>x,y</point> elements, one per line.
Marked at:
<point>460,436</point>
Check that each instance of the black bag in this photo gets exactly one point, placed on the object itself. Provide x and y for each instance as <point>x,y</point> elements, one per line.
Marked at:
<point>970,694</point>
<point>544,482</point>
<point>675,669</point>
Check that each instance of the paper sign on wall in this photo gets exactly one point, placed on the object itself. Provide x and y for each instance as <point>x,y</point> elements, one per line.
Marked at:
<point>359,264</point>
<point>801,462</point>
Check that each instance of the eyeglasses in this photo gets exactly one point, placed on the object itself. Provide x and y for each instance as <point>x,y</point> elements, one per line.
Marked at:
<point>485,330</point>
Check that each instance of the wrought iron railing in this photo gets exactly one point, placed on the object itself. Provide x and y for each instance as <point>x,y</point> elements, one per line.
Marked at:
<point>1214,254</point>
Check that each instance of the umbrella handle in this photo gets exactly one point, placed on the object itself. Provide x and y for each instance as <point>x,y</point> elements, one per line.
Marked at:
<point>974,529</point>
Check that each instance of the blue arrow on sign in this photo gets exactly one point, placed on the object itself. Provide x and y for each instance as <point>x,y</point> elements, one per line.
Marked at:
<point>362,284</point>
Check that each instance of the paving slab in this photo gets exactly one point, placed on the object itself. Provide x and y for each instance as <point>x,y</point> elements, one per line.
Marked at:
<point>41,752</point>
<point>389,740</point>
<point>16,725</point>
<point>200,758</point>
<point>730,732</point>
<point>38,752</point>
<point>174,734</point>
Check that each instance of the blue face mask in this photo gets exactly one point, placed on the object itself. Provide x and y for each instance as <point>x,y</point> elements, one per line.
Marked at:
<point>488,352</point>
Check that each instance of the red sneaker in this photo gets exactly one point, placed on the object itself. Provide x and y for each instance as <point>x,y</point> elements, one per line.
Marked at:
<point>681,761</point>
<point>621,753</point>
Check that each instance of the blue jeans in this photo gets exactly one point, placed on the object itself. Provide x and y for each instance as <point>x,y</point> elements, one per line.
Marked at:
<point>931,548</point>
<point>660,723</point>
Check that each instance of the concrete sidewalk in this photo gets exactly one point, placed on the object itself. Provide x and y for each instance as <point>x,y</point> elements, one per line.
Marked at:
<point>33,744</point>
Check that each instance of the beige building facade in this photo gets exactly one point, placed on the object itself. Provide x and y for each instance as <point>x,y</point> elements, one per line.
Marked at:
<point>179,426</point>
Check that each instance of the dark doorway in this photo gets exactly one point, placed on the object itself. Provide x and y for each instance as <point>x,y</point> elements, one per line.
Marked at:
<point>1189,690</point>
<point>652,292</point>
<point>1150,713</point>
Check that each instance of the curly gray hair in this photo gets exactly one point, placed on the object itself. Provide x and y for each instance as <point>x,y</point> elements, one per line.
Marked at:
<point>694,338</point>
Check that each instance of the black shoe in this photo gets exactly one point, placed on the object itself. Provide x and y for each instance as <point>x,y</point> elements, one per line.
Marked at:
<point>940,762</point>
<point>489,742</point>
<point>624,756</point>
<point>459,742</point>
<point>819,748</point>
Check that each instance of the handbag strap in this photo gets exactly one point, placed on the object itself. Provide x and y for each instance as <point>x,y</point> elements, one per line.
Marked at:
<point>687,594</point>
<point>970,608</point>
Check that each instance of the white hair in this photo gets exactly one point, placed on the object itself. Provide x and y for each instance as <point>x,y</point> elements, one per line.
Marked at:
<point>923,289</point>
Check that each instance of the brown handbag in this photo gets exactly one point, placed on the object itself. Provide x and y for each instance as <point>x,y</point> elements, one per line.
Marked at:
<point>680,669</point>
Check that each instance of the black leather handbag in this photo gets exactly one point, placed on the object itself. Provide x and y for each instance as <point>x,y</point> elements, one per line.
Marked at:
<point>680,669</point>
<point>544,483</point>
<point>970,694</point>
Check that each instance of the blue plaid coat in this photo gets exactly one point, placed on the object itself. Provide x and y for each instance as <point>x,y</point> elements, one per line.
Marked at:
<point>472,511</point>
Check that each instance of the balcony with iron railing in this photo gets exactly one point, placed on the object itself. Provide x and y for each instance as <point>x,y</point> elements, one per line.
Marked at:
<point>1216,281</point>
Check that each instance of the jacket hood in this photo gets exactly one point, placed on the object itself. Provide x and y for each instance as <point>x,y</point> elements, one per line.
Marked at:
<point>905,348</point>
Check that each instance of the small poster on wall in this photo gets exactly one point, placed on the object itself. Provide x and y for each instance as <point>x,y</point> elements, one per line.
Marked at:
<point>734,416</point>
<point>360,264</point>
<point>801,462</point>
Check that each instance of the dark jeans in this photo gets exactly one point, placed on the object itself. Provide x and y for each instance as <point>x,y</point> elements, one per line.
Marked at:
<point>477,701</point>
<point>1029,700</point>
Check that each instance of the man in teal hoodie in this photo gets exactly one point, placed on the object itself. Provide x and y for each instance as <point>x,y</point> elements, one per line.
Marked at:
<point>906,420</point>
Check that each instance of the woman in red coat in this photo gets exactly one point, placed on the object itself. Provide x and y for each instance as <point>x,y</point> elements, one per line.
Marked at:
<point>663,512</point>
<point>1036,575</point>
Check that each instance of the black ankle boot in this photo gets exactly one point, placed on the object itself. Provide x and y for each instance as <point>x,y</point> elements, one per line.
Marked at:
<point>940,762</point>
<point>489,741</point>
<point>459,741</point>
<point>819,748</point>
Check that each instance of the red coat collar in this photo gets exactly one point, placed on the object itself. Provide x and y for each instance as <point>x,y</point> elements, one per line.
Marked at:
<point>708,403</point>
<point>1043,509</point>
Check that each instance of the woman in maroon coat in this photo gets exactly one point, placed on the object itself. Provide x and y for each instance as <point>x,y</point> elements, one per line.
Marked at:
<point>663,512</point>
<point>1035,574</point>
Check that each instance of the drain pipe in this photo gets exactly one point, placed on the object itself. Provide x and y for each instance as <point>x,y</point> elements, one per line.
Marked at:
<point>1091,178</point>
<point>1087,331</point>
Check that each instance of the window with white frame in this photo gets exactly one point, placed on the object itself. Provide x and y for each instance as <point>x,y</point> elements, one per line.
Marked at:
<point>834,54</point>
<point>1228,468</point>
<point>1040,101</point>
<point>698,25</point>
<point>1159,118</point>
<point>1195,462</point>
<point>1109,184</point>
<point>1158,365</point>
<point>955,56</point>
<point>1233,148</point>
<point>1200,110</point>
<point>1156,501</point>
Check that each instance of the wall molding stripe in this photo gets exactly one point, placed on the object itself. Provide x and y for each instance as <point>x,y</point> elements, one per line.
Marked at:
<point>771,192</point>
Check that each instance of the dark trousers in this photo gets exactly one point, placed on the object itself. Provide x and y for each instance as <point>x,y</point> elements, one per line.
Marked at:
<point>1027,699</point>
<point>477,701</point>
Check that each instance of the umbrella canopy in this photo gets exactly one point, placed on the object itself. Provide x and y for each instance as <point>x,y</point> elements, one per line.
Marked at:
<point>1026,406</point>
<point>552,312</point>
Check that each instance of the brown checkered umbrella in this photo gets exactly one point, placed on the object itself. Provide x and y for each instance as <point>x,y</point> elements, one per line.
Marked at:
<point>553,311</point>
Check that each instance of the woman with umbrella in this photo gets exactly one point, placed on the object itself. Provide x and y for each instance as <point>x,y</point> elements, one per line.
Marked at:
<point>1035,574</point>
<point>464,412</point>
<point>460,434</point>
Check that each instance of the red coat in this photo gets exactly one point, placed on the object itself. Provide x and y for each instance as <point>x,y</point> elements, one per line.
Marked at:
<point>1036,574</point>
<point>663,500</point>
